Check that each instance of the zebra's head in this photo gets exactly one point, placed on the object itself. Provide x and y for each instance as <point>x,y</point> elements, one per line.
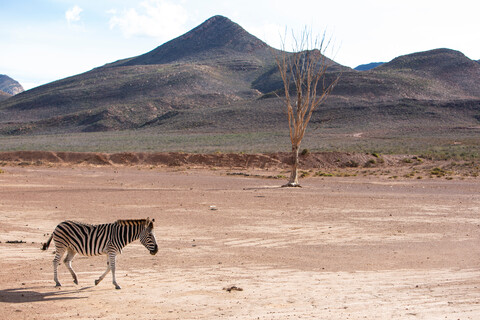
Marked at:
<point>147,237</point>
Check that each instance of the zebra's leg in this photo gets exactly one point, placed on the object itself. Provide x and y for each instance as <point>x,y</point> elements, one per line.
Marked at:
<point>112,257</point>
<point>58,255</point>
<point>104,274</point>
<point>68,263</point>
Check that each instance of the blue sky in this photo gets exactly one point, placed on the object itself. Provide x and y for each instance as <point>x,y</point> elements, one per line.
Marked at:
<point>47,40</point>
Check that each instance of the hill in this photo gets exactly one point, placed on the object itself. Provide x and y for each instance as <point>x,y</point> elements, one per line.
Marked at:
<point>4,95</point>
<point>218,79</point>
<point>9,86</point>
<point>450,69</point>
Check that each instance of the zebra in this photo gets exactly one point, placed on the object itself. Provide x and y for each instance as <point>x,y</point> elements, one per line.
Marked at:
<point>91,240</point>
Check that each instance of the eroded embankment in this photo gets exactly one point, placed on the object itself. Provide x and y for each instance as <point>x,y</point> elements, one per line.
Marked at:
<point>226,160</point>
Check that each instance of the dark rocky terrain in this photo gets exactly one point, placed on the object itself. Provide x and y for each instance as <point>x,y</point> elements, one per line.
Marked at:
<point>4,95</point>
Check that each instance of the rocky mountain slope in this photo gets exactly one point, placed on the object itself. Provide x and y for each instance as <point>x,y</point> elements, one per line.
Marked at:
<point>218,77</point>
<point>9,86</point>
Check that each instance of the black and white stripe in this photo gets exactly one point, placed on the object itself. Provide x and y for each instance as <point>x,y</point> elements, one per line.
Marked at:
<point>91,240</point>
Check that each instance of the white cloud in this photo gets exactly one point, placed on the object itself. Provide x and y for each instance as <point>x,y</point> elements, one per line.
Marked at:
<point>73,14</point>
<point>153,18</point>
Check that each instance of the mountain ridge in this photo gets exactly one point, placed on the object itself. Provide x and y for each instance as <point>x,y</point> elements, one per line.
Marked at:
<point>219,77</point>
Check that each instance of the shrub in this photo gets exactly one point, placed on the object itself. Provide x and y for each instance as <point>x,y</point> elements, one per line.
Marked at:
<point>304,174</point>
<point>323,174</point>
<point>369,163</point>
<point>439,172</point>
<point>351,164</point>
<point>410,175</point>
<point>420,160</point>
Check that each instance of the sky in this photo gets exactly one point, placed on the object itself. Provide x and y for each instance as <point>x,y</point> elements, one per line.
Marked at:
<point>46,40</point>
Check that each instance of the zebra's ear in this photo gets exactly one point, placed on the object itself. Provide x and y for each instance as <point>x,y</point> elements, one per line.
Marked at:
<point>150,223</point>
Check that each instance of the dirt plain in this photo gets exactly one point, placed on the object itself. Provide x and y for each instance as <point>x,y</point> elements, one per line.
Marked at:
<point>359,247</point>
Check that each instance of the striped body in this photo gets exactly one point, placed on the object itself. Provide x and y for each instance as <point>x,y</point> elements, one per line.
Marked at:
<point>92,240</point>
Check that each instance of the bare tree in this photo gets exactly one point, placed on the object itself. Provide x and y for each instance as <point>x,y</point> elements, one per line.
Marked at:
<point>303,73</point>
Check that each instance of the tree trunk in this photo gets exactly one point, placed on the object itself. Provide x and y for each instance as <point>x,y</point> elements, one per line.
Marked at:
<point>293,181</point>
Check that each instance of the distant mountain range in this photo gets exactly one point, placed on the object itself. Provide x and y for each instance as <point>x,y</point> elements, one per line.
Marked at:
<point>9,87</point>
<point>371,65</point>
<point>219,77</point>
<point>368,66</point>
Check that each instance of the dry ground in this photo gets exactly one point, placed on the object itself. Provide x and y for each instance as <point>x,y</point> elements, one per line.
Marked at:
<point>339,248</point>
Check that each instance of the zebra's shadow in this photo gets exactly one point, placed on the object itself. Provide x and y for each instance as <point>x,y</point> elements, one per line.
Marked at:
<point>22,295</point>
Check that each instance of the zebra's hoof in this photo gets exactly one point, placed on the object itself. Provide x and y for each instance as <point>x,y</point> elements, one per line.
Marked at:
<point>118,287</point>
<point>97,282</point>
<point>75,281</point>
<point>58,284</point>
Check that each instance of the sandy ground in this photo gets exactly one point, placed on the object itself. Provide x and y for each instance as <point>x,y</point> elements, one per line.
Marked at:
<point>339,248</point>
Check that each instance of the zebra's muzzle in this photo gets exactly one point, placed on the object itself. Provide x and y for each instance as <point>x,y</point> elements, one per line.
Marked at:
<point>154,251</point>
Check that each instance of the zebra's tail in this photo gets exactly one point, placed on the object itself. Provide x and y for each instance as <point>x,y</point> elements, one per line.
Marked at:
<point>47,244</point>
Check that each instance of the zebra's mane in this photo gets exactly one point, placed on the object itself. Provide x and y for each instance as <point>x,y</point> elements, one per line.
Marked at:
<point>132,222</point>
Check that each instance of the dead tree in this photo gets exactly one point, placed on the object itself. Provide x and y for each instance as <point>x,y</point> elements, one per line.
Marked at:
<point>303,73</point>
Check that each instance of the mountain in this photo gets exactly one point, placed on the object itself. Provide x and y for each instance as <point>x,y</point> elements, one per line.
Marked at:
<point>211,68</point>
<point>439,74</point>
<point>213,65</point>
<point>10,86</point>
<point>219,78</point>
<point>448,70</point>
<point>368,66</point>
<point>216,38</point>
